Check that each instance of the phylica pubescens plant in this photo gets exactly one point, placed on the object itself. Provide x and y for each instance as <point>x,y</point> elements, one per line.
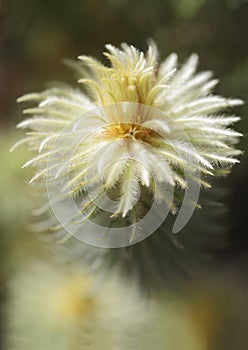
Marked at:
<point>182,127</point>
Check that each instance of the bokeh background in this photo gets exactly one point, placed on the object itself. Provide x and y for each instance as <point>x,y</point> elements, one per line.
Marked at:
<point>35,38</point>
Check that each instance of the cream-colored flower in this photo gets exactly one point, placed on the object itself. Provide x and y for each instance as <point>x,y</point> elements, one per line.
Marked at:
<point>151,124</point>
<point>52,307</point>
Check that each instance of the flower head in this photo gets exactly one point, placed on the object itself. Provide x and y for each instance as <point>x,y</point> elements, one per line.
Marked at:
<point>141,128</point>
<point>52,307</point>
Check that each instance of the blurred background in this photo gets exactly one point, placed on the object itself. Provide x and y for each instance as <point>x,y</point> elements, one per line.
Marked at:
<point>35,37</point>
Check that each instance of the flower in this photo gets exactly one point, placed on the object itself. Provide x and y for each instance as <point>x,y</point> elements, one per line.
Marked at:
<point>52,307</point>
<point>141,127</point>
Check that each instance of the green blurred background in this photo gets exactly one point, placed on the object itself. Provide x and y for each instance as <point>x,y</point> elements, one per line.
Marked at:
<point>35,36</point>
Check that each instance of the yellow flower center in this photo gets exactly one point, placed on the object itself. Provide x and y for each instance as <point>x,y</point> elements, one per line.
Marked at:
<point>128,131</point>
